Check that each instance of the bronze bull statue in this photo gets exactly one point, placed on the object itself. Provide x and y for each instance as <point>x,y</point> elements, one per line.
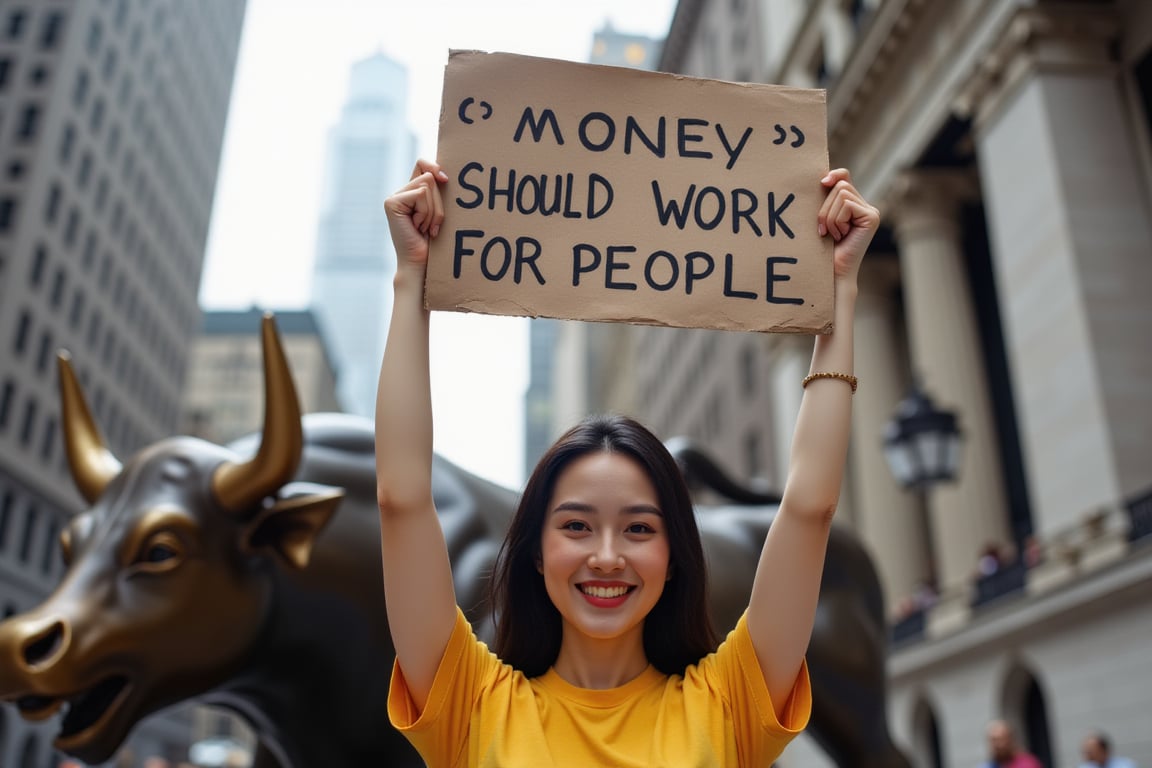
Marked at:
<point>198,574</point>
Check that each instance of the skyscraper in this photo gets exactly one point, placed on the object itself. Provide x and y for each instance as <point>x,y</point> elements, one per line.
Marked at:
<point>369,154</point>
<point>111,123</point>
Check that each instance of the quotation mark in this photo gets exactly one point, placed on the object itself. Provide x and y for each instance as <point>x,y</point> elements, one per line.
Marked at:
<point>468,102</point>
<point>782,135</point>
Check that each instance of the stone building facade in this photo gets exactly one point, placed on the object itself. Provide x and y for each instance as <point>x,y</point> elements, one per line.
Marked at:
<point>1007,143</point>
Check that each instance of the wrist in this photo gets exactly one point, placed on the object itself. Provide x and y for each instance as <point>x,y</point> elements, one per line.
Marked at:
<point>846,290</point>
<point>408,278</point>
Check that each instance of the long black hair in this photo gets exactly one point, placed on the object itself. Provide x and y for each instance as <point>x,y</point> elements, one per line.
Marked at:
<point>678,630</point>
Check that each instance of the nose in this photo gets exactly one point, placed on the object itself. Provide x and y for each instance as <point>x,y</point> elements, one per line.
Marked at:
<point>43,644</point>
<point>607,555</point>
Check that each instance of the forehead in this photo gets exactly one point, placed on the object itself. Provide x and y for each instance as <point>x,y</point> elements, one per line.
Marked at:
<point>603,474</point>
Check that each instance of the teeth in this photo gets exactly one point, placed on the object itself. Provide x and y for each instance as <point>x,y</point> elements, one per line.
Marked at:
<point>603,591</point>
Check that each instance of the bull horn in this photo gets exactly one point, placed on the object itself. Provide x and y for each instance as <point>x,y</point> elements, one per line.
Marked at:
<point>239,485</point>
<point>93,465</point>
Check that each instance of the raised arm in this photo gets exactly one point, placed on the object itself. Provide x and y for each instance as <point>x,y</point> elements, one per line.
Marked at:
<point>417,573</point>
<point>782,608</point>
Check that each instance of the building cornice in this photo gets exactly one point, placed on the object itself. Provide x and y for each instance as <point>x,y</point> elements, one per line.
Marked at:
<point>1072,38</point>
<point>870,60</point>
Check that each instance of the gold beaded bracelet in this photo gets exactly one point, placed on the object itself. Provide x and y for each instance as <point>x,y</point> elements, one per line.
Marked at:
<point>829,375</point>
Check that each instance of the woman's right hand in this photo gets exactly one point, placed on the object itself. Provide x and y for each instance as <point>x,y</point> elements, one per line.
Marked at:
<point>415,214</point>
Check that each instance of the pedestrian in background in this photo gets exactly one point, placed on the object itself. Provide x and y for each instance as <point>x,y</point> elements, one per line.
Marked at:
<point>1003,751</point>
<point>1097,752</point>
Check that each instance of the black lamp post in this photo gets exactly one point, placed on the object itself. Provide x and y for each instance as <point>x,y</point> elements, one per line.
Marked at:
<point>921,442</point>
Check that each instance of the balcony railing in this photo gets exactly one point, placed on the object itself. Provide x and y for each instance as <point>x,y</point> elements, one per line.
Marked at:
<point>1140,517</point>
<point>909,628</point>
<point>1008,580</point>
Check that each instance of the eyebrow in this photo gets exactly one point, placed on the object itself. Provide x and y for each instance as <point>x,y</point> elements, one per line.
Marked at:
<point>632,509</point>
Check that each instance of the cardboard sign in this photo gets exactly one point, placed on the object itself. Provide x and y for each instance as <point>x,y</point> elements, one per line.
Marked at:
<point>602,193</point>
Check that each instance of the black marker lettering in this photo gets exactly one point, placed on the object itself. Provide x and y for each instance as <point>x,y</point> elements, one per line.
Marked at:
<point>690,273</point>
<point>461,251</point>
<point>528,118</point>
<point>775,278</point>
<point>728,289</point>
<point>648,266</point>
<point>577,263</point>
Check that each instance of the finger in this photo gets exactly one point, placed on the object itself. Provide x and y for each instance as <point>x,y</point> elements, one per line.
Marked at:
<point>830,212</point>
<point>830,182</point>
<point>423,211</point>
<point>403,202</point>
<point>429,166</point>
<point>840,216</point>
<point>836,175</point>
<point>437,203</point>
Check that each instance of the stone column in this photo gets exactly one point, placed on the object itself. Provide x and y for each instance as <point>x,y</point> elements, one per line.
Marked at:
<point>1070,230</point>
<point>889,519</point>
<point>946,357</point>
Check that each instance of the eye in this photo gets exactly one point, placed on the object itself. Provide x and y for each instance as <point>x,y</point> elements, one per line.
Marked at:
<point>158,553</point>
<point>640,528</point>
<point>161,552</point>
<point>576,525</point>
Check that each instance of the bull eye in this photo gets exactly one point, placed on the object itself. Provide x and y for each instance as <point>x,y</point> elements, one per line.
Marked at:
<point>161,552</point>
<point>158,553</point>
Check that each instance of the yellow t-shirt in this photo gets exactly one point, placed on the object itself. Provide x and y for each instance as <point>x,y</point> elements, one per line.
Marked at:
<point>483,713</point>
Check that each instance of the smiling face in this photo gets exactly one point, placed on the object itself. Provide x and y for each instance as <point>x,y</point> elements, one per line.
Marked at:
<point>604,548</point>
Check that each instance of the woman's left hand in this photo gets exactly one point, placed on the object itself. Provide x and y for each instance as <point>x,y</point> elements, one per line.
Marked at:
<point>849,219</point>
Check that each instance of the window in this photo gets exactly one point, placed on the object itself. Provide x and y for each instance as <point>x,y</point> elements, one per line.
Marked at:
<point>80,92</point>
<point>5,67</point>
<point>52,208</point>
<point>7,393</point>
<point>39,75</point>
<point>58,281</point>
<point>105,270</point>
<point>72,227</point>
<point>29,422</point>
<point>110,63</point>
<point>6,503</point>
<point>97,120</point>
<point>7,213</point>
<point>77,309</point>
<point>94,327</point>
<point>90,246</point>
<point>39,259</point>
<point>16,21</point>
<point>101,193</point>
<point>67,139</point>
<point>95,32</point>
<point>29,122</point>
<point>50,32</point>
<point>16,169</point>
<point>85,171</point>
<point>22,329</point>
<point>29,533</point>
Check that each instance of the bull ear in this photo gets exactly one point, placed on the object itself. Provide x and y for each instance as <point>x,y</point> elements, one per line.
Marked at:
<point>290,525</point>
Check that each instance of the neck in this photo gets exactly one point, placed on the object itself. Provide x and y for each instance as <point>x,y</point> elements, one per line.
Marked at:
<point>589,662</point>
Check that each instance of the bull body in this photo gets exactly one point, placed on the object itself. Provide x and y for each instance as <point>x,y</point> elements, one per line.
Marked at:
<point>184,583</point>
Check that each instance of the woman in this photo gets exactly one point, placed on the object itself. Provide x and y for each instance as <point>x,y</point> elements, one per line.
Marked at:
<point>604,657</point>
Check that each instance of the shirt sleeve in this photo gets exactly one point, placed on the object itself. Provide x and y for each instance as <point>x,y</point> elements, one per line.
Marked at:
<point>440,732</point>
<point>734,671</point>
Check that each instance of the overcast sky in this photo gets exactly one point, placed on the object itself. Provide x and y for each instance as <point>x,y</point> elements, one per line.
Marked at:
<point>291,80</point>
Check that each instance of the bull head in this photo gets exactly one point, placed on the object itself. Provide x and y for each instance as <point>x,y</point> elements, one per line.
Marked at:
<point>170,569</point>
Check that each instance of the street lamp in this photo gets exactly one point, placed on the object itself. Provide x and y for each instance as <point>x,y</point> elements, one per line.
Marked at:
<point>922,443</point>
